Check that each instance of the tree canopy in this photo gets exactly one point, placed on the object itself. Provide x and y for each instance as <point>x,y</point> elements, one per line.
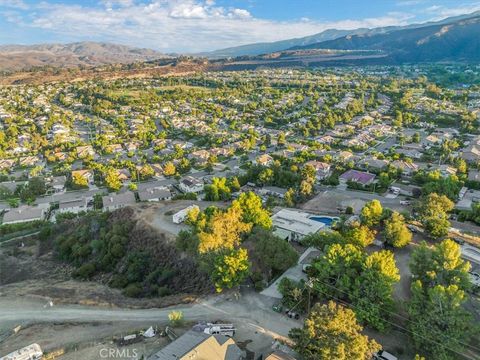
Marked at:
<point>330,332</point>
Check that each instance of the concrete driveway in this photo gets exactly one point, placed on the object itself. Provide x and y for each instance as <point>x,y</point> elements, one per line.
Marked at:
<point>295,273</point>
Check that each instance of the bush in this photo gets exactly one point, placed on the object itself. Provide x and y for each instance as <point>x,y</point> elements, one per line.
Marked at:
<point>119,281</point>
<point>133,290</point>
<point>175,317</point>
<point>85,271</point>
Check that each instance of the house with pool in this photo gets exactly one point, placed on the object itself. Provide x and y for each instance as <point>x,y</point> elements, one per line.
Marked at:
<point>294,225</point>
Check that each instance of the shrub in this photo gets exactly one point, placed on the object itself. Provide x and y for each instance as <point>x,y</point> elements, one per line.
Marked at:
<point>175,317</point>
<point>85,271</point>
<point>119,281</point>
<point>133,290</point>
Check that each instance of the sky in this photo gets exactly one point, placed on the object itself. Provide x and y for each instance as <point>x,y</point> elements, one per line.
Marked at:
<point>190,26</point>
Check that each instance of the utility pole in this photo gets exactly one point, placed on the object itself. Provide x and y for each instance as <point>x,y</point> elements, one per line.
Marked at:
<point>309,284</point>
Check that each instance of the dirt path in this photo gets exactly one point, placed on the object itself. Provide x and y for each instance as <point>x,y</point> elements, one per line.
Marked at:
<point>251,314</point>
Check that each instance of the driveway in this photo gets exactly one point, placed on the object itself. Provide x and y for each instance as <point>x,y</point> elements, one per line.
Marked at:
<point>294,273</point>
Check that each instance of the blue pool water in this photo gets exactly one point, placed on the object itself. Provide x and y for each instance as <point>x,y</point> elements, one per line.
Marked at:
<point>328,221</point>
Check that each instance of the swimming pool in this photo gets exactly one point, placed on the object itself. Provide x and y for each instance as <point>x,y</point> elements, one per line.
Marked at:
<point>327,220</point>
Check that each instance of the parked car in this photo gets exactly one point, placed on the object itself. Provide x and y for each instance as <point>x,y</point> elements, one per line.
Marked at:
<point>384,355</point>
<point>293,314</point>
<point>412,228</point>
<point>405,202</point>
<point>458,241</point>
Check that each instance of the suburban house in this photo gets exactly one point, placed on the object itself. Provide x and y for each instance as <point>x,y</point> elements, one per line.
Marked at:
<point>474,175</point>
<point>371,163</point>
<point>293,225</point>
<point>273,191</point>
<point>200,346</point>
<point>411,153</point>
<point>472,152</point>
<point>406,190</point>
<point>6,164</point>
<point>85,151</point>
<point>343,156</point>
<point>58,183</point>
<point>117,201</point>
<point>28,161</point>
<point>124,174</point>
<point>114,148</point>
<point>322,169</point>
<point>24,214</point>
<point>359,177</point>
<point>408,168</point>
<point>264,160</point>
<point>279,355</point>
<point>157,170</point>
<point>200,156</point>
<point>85,173</point>
<point>72,205</point>
<point>154,194</point>
<point>189,184</point>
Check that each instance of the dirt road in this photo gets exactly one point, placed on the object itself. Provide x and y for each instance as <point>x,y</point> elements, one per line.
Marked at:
<point>251,314</point>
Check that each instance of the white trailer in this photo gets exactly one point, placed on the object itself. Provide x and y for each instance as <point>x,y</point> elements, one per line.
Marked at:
<point>220,329</point>
<point>180,216</point>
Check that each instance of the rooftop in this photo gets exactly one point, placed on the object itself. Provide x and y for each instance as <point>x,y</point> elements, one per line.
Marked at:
<point>126,198</point>
<point>296,221</point>
<point>205,347</point>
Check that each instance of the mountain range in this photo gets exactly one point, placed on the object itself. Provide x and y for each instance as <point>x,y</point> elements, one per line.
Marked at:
<point>327,35</point>
<point>451,39</point>
<point>457,40</point>
<point>23,57</point>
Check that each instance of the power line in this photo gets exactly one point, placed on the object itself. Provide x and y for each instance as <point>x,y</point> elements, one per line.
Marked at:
<point>405,329</point>
<point>470,347</point>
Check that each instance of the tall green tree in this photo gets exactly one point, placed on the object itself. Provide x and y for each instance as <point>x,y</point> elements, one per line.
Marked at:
<point>396,232</point>
<point>230,269</point>
<point>433,212</point>
<point>332,332</point>
<point>253,212</point>
<point>371,213</point>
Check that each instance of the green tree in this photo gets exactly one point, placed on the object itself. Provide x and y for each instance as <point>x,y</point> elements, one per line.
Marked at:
<point>439,325</point>
<point>346,272</point>
<point>373,291</point>
<point>289,197</point>
<point>230,269</point>
<point>332,332</point>
<point>360,236</point>
<point>169,169</point>
<point>396,232</point>
<point>112,180</point>
<point>224,230</point>
<point>441,264</point>
<point>371,213</point>
<point>433,214</point>
<point>253,212</point>
<point>274,253</point>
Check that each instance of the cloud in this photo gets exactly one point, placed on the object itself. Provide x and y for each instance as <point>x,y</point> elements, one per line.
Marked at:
<point>440,12</point>
<point>176,25</point>
<point>14,4</point>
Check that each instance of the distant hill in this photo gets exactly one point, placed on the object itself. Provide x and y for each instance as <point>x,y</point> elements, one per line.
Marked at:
<point>327,35</point>
<point>456,40</point>
<point>270,47</point>
<point>22,57</point>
